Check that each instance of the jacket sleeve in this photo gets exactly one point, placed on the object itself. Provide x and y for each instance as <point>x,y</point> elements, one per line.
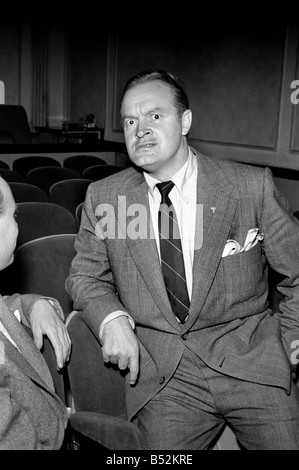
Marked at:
<point>91,283</point>
<point>281,245</point>
<point>24,303</point>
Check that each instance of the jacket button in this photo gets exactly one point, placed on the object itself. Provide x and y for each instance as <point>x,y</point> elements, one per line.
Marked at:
<point>162,380</point>
<point>185,336</point>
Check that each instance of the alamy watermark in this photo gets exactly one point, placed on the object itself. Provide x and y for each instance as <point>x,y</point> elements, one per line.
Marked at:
<point>295,354</point>
<point>134,222</point>
<point>295,95</point>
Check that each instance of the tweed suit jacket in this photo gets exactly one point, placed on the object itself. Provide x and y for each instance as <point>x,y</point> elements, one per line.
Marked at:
<point>230,325</point>
<point>32,417</point>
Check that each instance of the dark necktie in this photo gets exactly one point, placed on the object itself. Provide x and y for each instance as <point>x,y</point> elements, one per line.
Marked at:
<point>173,267</point>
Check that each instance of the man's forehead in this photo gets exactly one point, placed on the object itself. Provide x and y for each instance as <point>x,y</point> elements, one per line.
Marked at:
<point>149,96</point>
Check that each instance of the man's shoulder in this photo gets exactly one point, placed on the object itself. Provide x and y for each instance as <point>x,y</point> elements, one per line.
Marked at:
<point>230,169</point>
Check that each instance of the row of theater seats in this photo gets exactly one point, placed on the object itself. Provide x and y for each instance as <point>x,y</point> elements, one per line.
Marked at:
<point>52,183</point>
<point>66,193</point>
<point>45,249</point>
<point>44,213</point>
<point>45,176</point>
<point>78,163</point>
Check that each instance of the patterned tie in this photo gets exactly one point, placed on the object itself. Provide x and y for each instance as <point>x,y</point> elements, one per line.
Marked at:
<point>173,267</point>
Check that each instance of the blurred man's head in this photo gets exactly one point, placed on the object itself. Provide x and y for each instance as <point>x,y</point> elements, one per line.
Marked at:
<point>8,226</point>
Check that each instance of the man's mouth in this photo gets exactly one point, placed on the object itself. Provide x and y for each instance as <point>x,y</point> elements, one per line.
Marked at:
<point>145,145</point>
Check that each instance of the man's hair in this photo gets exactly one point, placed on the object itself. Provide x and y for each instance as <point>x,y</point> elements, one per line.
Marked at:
<point>181,100</point>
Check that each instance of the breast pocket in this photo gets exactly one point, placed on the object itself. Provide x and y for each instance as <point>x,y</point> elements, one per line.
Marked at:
<point>243,274</point>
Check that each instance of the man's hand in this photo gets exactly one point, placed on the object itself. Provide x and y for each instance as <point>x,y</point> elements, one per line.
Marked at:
<point>45,321</point>
<point>120,346</point>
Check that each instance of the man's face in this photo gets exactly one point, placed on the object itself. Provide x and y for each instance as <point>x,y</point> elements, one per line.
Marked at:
<point>153,131</point>
<point>8,227</point>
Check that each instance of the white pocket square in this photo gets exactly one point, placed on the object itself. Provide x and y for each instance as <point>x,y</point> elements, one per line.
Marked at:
<point>232,246</point>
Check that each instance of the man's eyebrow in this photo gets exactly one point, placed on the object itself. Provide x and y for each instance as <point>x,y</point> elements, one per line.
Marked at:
<point>157,109</point>
<point>127,116</point>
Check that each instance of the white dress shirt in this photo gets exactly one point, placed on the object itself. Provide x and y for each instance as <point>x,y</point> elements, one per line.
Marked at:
<point>4,330</point>
<point>183,198</point>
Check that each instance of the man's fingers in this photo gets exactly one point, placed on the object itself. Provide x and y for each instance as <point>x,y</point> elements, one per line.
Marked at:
<point>134,369</point>
<point>123,363</point>
<point>58,349</point>
<point>105,356</point>
<point>120,346</point>
<point>38,337</point>
<point>61,344</point>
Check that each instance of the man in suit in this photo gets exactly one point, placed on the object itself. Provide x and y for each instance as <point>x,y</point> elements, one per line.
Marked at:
<point>220,355</point>
<point>32,416</point>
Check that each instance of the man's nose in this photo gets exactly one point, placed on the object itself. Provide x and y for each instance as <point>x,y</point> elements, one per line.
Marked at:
<point>142,131</point>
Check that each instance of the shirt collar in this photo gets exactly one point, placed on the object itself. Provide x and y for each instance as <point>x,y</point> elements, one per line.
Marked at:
<point>182,179</point>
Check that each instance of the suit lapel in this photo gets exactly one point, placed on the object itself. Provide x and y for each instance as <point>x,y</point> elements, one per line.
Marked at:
<point>218,209</point>
<point>30,360</point>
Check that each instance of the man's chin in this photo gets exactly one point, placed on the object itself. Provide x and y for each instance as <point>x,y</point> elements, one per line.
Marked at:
<point>144,159</point>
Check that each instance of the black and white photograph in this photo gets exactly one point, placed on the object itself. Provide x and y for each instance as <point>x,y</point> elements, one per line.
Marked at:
<point>149,230</point>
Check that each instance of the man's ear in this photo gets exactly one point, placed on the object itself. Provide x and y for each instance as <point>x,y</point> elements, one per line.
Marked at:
<point>186,121</point>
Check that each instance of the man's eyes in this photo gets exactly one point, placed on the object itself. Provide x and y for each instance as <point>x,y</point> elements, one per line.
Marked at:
<point>130,123</point>
<point>133,122</point>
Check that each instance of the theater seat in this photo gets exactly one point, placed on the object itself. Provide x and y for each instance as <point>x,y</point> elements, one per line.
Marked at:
<point>39,219</point>
<point>24,192</point>
<point>24,164</point>
<point>42,266</point>
<point>69,193</point>
<point>4,165</point>
<point>97,172</point>
<point>99,419</point>
<point>80,162</point>
<point>44,177</point>
<point>11,175</point>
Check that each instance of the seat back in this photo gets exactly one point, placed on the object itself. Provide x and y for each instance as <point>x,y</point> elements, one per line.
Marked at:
<point>40,219</point>
<point>24,192</point>
<point>80,162</point>
<point>45,177</point>
<point>24,164</point>
<point>11,175</point>
<point>78,214</point>
<point>69,193</point>
<point>14,121</point>
<point>98,387</point>
<point>42,266</point>
<point>98,172</point>
<point>4,165</point>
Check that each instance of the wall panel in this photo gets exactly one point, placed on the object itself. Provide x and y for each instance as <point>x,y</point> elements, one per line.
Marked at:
<point>237,76</point>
